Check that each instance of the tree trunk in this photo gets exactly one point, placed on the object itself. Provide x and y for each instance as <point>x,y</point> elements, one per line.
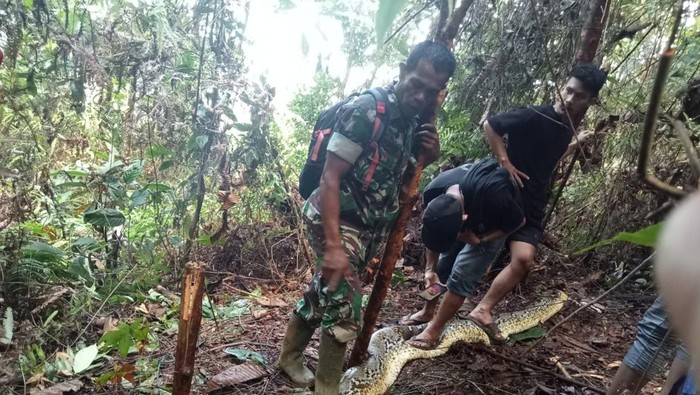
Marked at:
<point>188,328</point>
<point>590,40</point>
<point>593,31</point>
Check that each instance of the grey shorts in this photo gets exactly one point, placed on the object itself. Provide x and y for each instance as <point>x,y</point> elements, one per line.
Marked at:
<point>649,341</point>
<point>464,265</point>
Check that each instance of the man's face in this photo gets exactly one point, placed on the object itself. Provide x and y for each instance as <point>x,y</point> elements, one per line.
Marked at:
<point>576,99</point>
<point>419,88</point>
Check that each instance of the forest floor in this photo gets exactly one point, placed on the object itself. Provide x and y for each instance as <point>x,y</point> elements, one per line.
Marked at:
<point>253,305</point>
<point>588,348</point>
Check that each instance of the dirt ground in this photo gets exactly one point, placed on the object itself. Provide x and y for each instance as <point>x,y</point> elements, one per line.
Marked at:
<point>587,348</point>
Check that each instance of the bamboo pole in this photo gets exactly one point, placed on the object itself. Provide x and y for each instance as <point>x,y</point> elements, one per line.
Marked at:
<point>188,328</point>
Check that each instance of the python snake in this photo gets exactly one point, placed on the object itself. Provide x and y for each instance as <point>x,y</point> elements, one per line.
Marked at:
<point>389,352</point>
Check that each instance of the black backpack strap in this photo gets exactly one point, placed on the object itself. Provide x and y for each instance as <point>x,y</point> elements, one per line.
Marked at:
<point>380,122</point>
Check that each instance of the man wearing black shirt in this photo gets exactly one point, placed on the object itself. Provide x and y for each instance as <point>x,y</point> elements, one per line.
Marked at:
<point>538,138</point>
<point>469,212</point>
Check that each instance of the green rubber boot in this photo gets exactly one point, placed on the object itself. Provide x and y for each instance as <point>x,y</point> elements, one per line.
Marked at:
<point>331,355</point>
<point>291,359</point>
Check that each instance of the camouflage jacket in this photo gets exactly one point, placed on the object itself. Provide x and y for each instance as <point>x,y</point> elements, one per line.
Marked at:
<point>376,207</point>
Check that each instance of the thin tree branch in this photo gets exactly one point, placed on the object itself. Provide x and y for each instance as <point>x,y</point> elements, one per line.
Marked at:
<point>539,369</point>
<point>428,4</point>
<point>592,302</point>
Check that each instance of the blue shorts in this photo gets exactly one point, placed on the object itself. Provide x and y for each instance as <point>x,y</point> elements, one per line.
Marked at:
<point>464,265</point>
<point>648,342</point>
<point>689,387</point>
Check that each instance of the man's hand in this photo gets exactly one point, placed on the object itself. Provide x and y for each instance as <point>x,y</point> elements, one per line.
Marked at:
<point>516,174</point>
<point>583,136</point>
<point>336,265</point>
<point>429,142</point>
<point>468,237</point>
<point>430,278</point>
<point>577,142</point>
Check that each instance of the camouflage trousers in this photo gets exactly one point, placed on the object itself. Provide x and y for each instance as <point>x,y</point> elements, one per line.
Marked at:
<point>337,312</point>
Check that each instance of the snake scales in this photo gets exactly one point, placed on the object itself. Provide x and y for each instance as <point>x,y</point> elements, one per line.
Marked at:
<point>388,351</point>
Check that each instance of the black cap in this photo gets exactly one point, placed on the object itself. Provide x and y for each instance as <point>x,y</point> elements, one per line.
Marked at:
<point>442,221</point>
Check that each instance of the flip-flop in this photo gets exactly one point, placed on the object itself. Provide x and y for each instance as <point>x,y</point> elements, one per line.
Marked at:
<point>491,330</point>
<point>408,321</point>
<point>465,309</point>
<point>423,344</point>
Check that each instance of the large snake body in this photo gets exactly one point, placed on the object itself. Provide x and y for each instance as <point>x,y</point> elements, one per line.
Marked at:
<point>389,352</point>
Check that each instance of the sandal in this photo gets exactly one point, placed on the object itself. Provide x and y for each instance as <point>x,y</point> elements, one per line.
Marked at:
<point>465,309</point>
<point>408,321</point>
<point>423,344</point>
<point>491,330</point>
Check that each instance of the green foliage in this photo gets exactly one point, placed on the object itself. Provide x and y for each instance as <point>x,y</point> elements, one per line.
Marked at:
<point>84,358</point>
<point>246,355</point>
<point>387,13</point>
<point>398,278</point>
<point>125,338</point>
<point>232,310</point>
<point>533,333</point>
<point>104,217</point>
<point>32,359</point>
<point>646,237</point>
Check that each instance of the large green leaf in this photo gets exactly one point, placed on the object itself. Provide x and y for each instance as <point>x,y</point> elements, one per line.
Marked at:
<point>84,358</point>
<point>157,187</point>
<point>107,217</point>
<point>645,237</point>
<point>533,333</point>
<point>81,269</point>
<point>85,244</point>
<point>139,198</point>
<point>155,151</point>
<point>133,171</point>
<point>119,338</point>
<point>387,13</point>
<point>42,252</point>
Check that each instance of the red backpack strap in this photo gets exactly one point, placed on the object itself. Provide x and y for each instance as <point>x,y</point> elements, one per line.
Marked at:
<point>377,127</point>
<point>319,135</point>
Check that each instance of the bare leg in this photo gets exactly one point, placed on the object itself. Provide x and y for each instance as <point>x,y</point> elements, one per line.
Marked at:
<point>678,369</point>
<point>630,381</point>
<point>427,312</point>
<point>522,259</point>
<point>626,380</point>
<point>449,306</point>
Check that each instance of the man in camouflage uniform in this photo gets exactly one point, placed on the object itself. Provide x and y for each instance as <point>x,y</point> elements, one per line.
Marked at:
<point>348,218</point>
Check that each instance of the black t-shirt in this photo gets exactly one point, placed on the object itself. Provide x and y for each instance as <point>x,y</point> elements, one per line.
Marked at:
<point>537,139</point>
<point>492,201</point>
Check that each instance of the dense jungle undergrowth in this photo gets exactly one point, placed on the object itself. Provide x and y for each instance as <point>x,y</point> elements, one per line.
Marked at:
<point>139,135</point>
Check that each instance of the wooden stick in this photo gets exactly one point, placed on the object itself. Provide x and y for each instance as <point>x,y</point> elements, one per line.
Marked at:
<point>188,329</point>
<point>592,302</point>
<point>407,199</point>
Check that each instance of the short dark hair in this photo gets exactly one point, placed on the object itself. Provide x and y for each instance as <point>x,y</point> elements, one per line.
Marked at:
<point>437,53</point>
<point>590,75</point>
